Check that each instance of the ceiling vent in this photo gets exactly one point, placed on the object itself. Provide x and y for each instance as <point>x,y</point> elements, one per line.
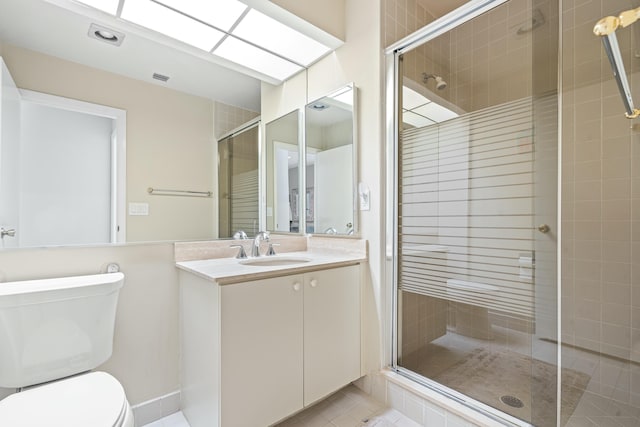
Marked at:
<point>160,77</point>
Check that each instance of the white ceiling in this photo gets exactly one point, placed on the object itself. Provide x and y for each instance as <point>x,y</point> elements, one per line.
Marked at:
<point>44,27</point>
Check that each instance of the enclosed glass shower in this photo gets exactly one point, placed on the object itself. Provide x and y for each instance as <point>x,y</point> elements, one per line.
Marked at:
<point>516,208</point>
<point>238,155</point>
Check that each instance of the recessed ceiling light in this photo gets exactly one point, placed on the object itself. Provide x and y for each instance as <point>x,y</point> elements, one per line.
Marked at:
<point>319,106</point>
<point>222,14</point>
<point>159,18</point>
<point>256,59</point>
<point>276,37</point>
<point>105,34</point>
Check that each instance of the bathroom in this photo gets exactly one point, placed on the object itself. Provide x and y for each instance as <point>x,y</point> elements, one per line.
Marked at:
<point>595,296</point>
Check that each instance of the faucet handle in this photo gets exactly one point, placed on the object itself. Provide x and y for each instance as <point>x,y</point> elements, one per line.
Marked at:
<point>271,251</point>
<point>240,235</point>
<point>11,232</point>
<point>241,253</point>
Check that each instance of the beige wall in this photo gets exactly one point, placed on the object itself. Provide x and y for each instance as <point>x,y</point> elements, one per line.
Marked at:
<point>327,15</point>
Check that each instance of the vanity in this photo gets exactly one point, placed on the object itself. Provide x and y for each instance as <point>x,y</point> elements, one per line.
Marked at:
<point>264,338</point>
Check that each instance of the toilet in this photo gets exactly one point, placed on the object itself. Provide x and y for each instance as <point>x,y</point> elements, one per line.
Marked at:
<point>53,333</point>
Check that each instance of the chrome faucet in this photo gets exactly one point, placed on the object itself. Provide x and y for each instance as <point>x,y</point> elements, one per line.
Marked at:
<point>260,236</point>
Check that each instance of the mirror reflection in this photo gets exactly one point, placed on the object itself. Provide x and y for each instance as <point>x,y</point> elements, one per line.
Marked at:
<point>170,145</point>
<point>327,174</point>
<point>329,139</point>
<point>238,183</point>
<point>283,179</point>
<point>177,105</point>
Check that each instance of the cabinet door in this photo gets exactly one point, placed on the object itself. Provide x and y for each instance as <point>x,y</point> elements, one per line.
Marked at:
<point>261,348</point>
<point>331,331</point>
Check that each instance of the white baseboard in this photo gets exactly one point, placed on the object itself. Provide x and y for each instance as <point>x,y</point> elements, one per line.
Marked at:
<point>154,409</point>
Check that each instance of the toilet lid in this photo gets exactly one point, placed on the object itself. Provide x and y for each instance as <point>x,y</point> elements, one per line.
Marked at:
<point>95,399</point>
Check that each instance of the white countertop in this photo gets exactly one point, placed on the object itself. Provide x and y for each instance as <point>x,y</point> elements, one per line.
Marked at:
<point>231,270</point>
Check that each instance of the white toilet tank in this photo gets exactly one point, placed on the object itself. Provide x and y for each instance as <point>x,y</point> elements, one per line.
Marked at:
<point>53,328</point>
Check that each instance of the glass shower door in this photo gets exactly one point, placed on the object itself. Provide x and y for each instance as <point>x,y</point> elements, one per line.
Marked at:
<point>476,214</point>
<point>238,183</point>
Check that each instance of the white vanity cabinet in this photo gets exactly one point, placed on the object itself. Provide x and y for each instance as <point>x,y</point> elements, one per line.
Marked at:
<point>261,365</point>
<point>331,331</point>
<point>255,352</point>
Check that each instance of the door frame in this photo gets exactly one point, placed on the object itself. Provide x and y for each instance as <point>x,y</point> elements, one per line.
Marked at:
<point>118,195</point>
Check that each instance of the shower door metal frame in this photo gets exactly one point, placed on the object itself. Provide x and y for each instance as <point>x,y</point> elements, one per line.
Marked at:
<point>393,53</point>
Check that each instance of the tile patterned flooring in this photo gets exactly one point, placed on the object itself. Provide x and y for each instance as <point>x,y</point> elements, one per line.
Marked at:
<point>612,397</point>
<point>349,407</point>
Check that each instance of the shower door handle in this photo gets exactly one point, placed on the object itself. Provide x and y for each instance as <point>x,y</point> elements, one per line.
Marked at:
<point>544,228</point>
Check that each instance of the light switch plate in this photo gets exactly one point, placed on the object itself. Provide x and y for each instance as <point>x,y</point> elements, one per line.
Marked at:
<point>364,196</point>
<point>138,209</point>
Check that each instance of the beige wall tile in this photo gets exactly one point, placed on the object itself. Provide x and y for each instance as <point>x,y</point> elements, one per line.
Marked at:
<point>617,230</point>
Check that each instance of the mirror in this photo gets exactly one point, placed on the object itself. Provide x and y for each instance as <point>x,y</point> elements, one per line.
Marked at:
<point>283,179</point>
<point>170,145</point>
<point>331,163</point>
<point>171,126</point>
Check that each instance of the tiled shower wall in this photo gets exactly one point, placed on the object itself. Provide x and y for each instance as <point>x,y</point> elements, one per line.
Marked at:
<point>485,62</point>
<point>228,117</point>
<point>601,191</point>
<point>401,18</point>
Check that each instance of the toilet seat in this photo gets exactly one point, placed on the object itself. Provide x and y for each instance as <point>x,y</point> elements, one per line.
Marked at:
<point>95,399</point>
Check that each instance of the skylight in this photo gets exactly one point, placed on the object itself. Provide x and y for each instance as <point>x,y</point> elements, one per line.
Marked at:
<point>257,59</point>
<point>264,31</point>
<point>419,111</point>
<point>229,29</point>
<point>221,14</point>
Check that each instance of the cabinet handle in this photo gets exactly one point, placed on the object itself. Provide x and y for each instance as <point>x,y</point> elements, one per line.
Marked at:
<point>296,286</point>
<point>314,283</point>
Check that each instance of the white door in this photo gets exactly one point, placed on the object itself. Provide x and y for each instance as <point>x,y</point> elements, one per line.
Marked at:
<point>331,331</point>
<point>285,157</point>
<point>65,176</point>
<point>9,157</point>
<point>261,351</point>
<point>334,189</point>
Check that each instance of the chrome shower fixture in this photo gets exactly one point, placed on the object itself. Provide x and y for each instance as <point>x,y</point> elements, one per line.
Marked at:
<point>440,83</point>
<point>606,30</point>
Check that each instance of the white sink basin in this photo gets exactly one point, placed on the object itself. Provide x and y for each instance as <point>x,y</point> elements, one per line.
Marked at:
<point>274,261</point>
